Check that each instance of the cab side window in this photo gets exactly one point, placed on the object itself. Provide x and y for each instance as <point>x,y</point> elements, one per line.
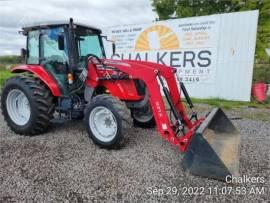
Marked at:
<point>50,49</point>
<point>33,48</point>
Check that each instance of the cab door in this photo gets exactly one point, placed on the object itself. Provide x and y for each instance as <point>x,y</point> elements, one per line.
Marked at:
<point>54,58</point>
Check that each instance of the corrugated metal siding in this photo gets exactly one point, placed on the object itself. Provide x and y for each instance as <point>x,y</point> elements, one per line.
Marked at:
<point>236,49</point>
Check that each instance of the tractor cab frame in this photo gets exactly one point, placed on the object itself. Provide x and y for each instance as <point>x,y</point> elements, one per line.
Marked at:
<point>62,48</point>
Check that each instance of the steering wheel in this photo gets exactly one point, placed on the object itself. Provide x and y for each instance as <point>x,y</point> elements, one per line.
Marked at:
<point>93,59</point>
<point>53,58</point>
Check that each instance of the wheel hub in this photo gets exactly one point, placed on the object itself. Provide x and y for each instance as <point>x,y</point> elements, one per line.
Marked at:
<point>103,124</point>
<point>108,122</point>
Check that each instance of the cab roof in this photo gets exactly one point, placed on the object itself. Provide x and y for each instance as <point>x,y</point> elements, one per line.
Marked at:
<point>42,25</point>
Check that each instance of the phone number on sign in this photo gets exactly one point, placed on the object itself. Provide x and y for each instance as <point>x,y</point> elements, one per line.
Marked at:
<point>189,79</point>
<point>206,191</point>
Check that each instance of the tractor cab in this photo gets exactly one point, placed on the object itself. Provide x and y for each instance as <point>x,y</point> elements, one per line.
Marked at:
<point>61,48</point>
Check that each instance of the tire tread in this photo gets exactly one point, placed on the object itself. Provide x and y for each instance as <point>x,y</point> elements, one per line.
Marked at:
<point>43,104</point>
<point>123,112</point>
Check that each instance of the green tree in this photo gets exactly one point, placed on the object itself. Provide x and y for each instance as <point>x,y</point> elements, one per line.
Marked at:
<point>263,39</point>
<point>164,8</point>
<point>167,9</point>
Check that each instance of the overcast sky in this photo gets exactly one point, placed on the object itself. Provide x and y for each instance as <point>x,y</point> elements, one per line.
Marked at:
<point>101,13</point>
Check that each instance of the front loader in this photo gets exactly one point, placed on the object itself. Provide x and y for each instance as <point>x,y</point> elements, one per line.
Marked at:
<point>67,77</point>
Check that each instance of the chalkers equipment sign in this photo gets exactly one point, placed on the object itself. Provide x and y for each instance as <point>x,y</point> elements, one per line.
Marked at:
<point>213,55</point>
<point>190,46</point>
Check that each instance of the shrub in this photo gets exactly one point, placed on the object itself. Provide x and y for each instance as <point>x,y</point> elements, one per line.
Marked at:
<point>10,59</point>
<point>261,73</point>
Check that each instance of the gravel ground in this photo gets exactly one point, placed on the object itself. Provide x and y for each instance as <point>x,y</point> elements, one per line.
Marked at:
<point>65,165</point>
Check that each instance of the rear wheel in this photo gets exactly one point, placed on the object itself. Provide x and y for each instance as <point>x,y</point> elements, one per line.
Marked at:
<point>144,117</point>
<point>107,120</point>
<point>27,105</point>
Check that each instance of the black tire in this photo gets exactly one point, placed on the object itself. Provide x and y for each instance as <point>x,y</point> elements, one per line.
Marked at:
<point>143,122</point>
<point>122,117</point>
<point>40,103</point>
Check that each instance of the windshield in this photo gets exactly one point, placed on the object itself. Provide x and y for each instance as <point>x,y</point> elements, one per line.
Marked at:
<point>89,43</point>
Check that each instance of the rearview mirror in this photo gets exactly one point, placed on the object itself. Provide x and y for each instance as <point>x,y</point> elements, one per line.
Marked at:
<point>113,43</point>
<point>113,48</point>
<point>61,42</point>
<point>23,55</point>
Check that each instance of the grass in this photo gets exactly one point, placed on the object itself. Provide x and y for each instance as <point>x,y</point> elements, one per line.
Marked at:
<point>226,104</point>
<point>247,110</point>
<point>4,74</point>
<point>243,108</point>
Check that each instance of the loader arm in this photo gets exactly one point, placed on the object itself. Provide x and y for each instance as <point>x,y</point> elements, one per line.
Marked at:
<point>210,144</point>
<point>148,73</point>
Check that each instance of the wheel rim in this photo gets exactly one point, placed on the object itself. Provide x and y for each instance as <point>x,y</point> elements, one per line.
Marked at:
<point>18,107</point>
<point>103,124</point>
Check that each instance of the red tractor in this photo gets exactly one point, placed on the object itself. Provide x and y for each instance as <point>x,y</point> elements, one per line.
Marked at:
<point>66,77</point>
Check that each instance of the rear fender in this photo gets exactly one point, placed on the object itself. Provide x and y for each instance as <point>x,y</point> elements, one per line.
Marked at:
<point>42,74</point>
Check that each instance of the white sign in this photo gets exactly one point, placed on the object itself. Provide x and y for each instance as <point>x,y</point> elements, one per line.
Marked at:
<point>213,55</point>
<point>188,45</point>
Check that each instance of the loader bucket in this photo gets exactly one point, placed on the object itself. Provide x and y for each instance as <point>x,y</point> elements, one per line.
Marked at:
<point>214,149</point>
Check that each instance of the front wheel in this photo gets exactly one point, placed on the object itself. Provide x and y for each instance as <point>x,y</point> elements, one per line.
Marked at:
<point>107,120</point>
